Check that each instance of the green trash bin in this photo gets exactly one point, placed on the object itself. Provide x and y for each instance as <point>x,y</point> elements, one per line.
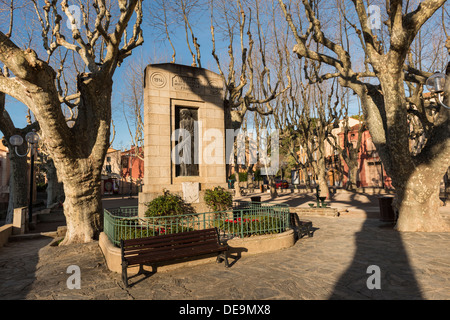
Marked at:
<point>255,199</point>
<point>387,213</point>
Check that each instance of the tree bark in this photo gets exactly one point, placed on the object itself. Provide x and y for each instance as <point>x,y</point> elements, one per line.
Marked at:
<point>18,180</point>
<point>272,187</point>
<point>18,184</point>
<point>80,170</point>
<point>78,152</point>
<point>82,205</point>
<point>55,189</point>
<point>322,177</point>
<point>416,179</point>
<point>237,183</point>
<point>352,175</point>
<point>417,202</point>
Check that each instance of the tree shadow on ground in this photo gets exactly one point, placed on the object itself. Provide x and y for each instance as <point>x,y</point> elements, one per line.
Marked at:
<point>18,264</point>
<point>338,199</point>
<point>378,244</point>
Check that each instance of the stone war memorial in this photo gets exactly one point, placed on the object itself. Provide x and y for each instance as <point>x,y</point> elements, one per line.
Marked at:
<point>184,134</point>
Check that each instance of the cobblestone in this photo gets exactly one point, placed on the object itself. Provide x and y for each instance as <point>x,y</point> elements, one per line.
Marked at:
<point>330,265</point>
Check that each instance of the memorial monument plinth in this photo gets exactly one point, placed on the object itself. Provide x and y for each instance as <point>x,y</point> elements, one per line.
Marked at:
<point>184,133</point>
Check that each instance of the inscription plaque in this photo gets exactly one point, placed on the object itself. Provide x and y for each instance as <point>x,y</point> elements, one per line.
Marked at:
<point>186,83</point>
<point>191,192</point>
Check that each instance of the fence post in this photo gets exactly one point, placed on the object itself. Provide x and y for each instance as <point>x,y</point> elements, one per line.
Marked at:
<point>241,223</point>
<point>204,222</point>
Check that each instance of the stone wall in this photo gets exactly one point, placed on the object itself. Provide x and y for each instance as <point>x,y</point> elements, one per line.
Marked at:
<point>329,212</point>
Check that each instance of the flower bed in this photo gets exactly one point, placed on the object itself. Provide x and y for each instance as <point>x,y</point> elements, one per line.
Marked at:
<point>245,220</point>
<point>251,225</point>
<point>133,231</point>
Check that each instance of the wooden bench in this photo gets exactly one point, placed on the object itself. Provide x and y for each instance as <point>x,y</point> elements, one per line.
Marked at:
<point>158,250</point>
<point>301,227</point>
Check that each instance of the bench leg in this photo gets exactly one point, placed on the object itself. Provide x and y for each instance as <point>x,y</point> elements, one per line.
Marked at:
<point>223,256</point>
<point>226,259</point>
<point>309,230</point>
<point>124,274</point>
<point>141,269</point>
<point>297,233</point>
<point>301,232</point>
<point>305,229</point>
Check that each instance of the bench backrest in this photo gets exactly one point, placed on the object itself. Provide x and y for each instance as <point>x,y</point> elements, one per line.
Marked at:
<point>167,241</point>
<point>295,221</point>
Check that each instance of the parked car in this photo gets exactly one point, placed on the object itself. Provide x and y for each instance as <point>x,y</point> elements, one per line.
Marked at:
<point>283,184</point>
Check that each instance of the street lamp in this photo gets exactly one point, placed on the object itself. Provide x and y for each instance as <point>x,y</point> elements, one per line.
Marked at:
<point>32,140</point>
<point>435,84</point>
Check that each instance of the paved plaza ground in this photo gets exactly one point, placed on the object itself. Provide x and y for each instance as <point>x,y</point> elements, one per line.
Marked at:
<point>333,264</point>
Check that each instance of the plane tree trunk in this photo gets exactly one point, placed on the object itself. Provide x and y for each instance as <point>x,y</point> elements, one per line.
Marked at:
<point>78,150</point>
<point>415,177</point>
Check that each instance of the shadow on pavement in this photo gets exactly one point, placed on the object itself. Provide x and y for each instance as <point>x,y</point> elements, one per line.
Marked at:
<point>378,244</point>
<point>119,201</point>
<point>18,265</point>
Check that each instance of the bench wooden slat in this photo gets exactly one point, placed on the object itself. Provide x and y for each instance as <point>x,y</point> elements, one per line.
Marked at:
<point>170,247</point>
<point>170,242</point>
<point>165,237</point>
<point>146,244</point>
<point>153,257</point>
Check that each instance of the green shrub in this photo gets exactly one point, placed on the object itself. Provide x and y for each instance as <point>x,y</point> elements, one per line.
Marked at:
<point>258,176</point>
<point>168,205</point>
<point>218,199</point>
<point>242,176</point>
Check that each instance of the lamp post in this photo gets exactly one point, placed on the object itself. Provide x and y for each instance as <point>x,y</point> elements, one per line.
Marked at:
<point>436,84</point>
<point>32,139</point>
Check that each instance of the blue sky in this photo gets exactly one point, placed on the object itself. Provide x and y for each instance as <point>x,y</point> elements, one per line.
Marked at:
<point>154,51</point>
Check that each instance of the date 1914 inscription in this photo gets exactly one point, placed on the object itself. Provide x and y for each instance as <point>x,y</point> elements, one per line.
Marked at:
<point>158,80</point>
